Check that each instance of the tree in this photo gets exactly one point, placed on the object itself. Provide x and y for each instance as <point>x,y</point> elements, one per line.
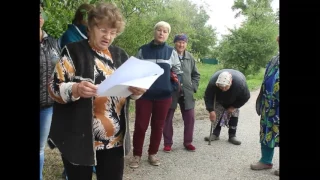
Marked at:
<point>205,36</point>
<point>141,16</point>
<point>278,15</point>
<point>244,5</point>
<point>251,46</point>
<point>60,13</point>
<point>190,20</point>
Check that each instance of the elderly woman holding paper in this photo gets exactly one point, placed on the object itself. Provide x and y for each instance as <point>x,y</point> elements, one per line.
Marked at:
<point>87,129</point>
<point>155,103</point>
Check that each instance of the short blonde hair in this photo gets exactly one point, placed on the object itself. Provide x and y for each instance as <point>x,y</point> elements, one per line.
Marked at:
<point>108,13</point>
<point>163,24</point>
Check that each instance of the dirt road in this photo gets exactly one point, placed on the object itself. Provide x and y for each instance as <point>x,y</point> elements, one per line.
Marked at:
<point>218,161</point>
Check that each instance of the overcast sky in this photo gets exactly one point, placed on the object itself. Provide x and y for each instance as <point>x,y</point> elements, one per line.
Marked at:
<point>221,15</point>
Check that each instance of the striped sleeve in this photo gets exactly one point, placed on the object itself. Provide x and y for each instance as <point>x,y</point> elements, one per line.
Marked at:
<point>60,85</point>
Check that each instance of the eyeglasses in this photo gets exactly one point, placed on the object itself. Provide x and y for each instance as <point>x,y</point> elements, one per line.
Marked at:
<point>106,32</point>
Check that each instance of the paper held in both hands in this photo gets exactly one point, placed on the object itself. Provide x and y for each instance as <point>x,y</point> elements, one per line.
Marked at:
<point>134,72</point>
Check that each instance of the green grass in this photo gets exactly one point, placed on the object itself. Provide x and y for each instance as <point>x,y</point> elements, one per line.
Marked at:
<point>254,81</point>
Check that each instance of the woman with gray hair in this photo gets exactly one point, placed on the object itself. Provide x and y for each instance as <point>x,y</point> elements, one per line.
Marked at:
<point>90,130</point>
<point>185,99</point>
<point>156,102</point>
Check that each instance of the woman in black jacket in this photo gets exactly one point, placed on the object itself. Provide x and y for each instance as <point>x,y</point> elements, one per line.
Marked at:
<point>91,130</point>
<point>49,54</point>
<point>229,91</point>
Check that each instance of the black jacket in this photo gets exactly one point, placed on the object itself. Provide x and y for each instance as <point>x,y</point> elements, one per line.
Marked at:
<point>49,54</point>
<point>72,123</point>
<point>236,96</point>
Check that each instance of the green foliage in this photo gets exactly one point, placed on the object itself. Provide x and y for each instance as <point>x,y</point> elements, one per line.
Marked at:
<point>205,36</point>
<point>141,16</point>
<point>278,15</point>
<point>251,46</point>
<point>60,13</point>
<point>190,20</point>
<point>139,26</point>
<point>247,48</point>
<point>254,80</point>
<point>244,5</point>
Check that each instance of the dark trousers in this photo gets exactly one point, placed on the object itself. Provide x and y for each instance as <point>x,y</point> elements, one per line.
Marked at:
<point>110,164</point>
<point>156,110</point>
<point>233,122</point>
<point>188,118</point>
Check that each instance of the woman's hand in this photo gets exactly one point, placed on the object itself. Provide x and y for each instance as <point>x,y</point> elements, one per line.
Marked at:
<point>84,89</point>
<point>136,91</point>
<point>212,116</point>
<point>231,109</point>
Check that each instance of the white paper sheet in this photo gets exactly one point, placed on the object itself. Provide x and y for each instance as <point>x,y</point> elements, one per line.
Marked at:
<point>134,72</point>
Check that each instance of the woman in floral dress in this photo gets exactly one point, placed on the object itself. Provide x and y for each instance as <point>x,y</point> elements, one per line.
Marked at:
<point>267,107</point>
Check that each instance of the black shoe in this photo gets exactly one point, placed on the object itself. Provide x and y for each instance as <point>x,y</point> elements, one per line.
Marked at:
<point>234,140</point>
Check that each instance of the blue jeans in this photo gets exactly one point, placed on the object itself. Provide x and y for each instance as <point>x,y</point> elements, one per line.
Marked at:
<point>45,123</point>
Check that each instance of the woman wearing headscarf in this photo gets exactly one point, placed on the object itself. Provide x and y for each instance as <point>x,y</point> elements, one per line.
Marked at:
<point>226,92</point>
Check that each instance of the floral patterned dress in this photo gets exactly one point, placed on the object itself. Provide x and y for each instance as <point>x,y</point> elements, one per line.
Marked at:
<point>269,105</point>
